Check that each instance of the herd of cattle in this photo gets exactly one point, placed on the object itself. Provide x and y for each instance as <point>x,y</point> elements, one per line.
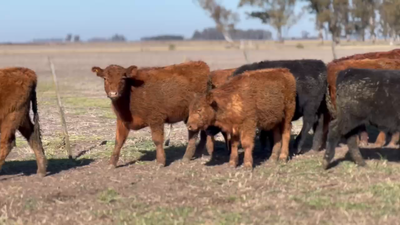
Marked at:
<point>336,100</point>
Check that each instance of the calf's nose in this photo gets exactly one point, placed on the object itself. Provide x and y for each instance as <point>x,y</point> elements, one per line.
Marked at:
<point>113,94</point>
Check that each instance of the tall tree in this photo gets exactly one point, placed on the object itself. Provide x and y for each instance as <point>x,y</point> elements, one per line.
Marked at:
<point>224,18</point>
<point>363,12</point>
<point>330,13</point>
<point>319,7</point>
<point>390,14</point>
<point>277,13</point>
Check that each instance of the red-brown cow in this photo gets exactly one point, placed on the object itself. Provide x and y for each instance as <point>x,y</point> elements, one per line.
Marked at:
<point>150,97</point>
<point>393,54</point>
<point>335,67</point>
<point>262,98</point>
<point>17,92</point>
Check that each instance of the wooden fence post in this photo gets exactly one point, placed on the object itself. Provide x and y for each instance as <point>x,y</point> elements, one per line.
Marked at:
<point>60,107</point>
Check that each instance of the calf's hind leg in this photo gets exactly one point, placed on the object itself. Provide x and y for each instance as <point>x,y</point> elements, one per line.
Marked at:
<point>247,139</point>
<point>380,140</point>
<point>354,151</point>
<point>286,127</point>
<point>277,144</point>
<point>308,122</point>
<point>157,134</point>
<point>33,138</point>
<point>394,140</point>
<point>7,131</point>
<point>333,139</point>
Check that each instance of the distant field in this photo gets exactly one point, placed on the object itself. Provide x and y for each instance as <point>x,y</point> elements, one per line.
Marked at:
<point>87,192</point>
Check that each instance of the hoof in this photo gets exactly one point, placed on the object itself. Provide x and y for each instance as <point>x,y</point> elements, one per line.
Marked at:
<point>391,145</point>
<point>186,160</point>
<point>378,145</point>
<point>273,158</point>
<point>161,162</point>
<point>283,159</point>
<point>248,166</point>
<point>361,164</point>
<point>232,164</point>
<point>112,166</point>
<point>363,144</point>
<point>160,165</point>
<point>41,174</point>
<point>325,164</point>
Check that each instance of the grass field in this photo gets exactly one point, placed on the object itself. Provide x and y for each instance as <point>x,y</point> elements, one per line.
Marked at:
<point>86,191</point>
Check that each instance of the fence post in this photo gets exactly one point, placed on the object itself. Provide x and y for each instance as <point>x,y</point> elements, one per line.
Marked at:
<point>63,123</point>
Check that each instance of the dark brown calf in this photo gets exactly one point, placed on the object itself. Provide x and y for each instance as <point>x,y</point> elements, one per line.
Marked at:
<point>262,98</point>
<point>150,97</point>
<point>333,70</point>
<point>17,92</point>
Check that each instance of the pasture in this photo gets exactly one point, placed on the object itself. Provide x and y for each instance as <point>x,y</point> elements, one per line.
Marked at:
<point>86,191</point>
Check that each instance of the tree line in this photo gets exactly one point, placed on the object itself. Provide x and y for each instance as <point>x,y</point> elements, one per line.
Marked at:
<point>339,18</point>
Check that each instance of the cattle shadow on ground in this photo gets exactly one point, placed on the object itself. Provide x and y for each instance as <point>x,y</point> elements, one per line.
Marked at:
<point>389,154</point>
<point>172,154</point>
<point>54,166</point>
<point>221,155</point>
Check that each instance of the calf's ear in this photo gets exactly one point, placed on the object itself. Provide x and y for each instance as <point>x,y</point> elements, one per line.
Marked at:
<point>131,72</point>
<point>98,71</point>
<point>211,101</point>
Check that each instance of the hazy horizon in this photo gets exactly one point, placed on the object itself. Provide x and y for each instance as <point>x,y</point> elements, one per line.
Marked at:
<point>23,20</point>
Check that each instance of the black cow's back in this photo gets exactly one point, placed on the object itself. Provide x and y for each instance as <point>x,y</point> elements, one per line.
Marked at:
<point>369,96</point>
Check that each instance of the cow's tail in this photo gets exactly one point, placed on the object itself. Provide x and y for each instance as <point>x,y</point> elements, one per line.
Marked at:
<point>36,126</point>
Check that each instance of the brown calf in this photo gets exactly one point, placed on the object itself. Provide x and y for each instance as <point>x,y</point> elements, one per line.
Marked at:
<point>335,67</point>
<point>217,79</point>
<point>150,97</point>
<point>17,92</point>
<point>261,98</point>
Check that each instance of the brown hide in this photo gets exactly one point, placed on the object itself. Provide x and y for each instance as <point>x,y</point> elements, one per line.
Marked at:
<point>260,98</point>
<point>151,97</point>
<point>17,92</point>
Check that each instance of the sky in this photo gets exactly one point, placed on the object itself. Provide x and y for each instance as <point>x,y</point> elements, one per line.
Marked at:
<point>24,20</point>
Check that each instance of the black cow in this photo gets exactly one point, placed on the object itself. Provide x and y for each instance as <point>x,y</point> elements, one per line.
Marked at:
<point>364,97</point>
<point>310,97</point>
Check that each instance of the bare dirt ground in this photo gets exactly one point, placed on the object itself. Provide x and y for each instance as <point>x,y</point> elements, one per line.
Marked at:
<point>85,191</point>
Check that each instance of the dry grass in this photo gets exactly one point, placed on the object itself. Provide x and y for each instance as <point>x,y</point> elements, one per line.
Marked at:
<point>85,191</point>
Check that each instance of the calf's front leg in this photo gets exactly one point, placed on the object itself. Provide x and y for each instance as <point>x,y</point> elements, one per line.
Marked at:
<point>120,138</point>
<point>247,139</point>
<point>234,158</point>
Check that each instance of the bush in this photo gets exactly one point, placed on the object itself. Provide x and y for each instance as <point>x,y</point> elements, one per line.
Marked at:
<point>171,47</point>
<point>300,46</point>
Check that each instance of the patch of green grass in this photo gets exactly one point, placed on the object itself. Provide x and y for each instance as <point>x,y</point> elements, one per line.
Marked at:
<point>146,216</point>
<point>129,151</point>
<point>108,196</point>
<point>21,142</point>
<point>87,102</point>
<point>30,204</point>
